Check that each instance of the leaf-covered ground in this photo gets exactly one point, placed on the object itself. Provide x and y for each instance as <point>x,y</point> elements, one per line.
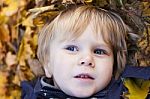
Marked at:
<point>20,21</point>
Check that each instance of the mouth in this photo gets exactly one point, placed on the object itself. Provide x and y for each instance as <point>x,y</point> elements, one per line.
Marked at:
<point>84,76</point>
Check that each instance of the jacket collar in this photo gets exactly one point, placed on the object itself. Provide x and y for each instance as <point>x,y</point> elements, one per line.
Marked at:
<point>136,72</point>
<point>43,87</point>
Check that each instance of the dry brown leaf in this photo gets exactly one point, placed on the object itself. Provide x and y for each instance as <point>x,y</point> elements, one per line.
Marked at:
<point>24,73</point>
<point>36,67</point>
<point>42,18</point>
<point>14,32</point>
<point>4,33</point>
<point>146,9</point>
<point>102,3</point>
<point>2,54</point>
<point>42,9</point>
<point>0,45</point>
<point>39,3</point>
<point>16,80</point>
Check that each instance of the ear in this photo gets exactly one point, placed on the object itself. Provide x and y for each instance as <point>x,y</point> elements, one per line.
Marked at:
<point>48,72</point>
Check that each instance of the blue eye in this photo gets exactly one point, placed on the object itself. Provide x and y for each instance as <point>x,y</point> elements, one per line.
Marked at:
<point>100,51</point>
<point>72,48</point>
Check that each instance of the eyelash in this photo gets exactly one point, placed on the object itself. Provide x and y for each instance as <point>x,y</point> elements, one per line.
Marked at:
<point>72,48</point>
<point>100,52</point>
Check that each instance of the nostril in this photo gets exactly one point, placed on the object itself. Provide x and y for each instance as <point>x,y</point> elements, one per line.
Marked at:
<point>87,64</point>
<point>82,62</point>
<point>90,63</point>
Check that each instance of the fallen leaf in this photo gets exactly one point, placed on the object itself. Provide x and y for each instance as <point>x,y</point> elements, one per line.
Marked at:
<point>10,59</point>
<point>136,92</point>
<point>12,7</point>
<point>68,2</point>
<point>28,22</point>
<point>3,82</point>
<point>25,50</point>
<point>16,80</point>
<point>25,73</point>
<point>36,67</point>
<point>3,18</point>
<point>88,1</point>
<point>4,33</point>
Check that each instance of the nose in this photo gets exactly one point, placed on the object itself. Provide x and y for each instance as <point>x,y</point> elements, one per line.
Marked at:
<point>87,61</point>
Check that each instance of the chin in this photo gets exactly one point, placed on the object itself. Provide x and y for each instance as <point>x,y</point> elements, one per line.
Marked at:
<point>82,94</point>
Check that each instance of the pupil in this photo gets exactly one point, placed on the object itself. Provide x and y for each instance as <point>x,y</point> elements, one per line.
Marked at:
<point>71,48</point>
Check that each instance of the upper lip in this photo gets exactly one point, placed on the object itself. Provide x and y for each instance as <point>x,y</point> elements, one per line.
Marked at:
<point>84,75</point>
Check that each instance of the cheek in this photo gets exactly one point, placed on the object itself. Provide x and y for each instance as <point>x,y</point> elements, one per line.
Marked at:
<point>104,69</point>
<point>63,59</point>
<point>106,61</point>
<point>62,64</point>
<point>105,66</point>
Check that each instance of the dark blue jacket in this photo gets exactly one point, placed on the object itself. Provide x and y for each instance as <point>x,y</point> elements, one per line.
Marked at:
<point>34,89</point>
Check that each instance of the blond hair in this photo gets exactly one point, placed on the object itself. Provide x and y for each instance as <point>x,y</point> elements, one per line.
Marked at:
<point>71,23</point>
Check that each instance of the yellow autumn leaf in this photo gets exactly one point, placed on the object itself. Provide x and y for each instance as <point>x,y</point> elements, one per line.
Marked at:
<point>34,44</point>
<point>3,81</point>
<point>16,80</point>
<point>15,94</point>
<point>24,53</point>
<point>88,1</point>
<point>12,7</point>
<point>146,9</point>
<point>35,40</point>
<point>135,91</point>
<point>3,18</point>
<point>25,50</point>
<point>28,22</point>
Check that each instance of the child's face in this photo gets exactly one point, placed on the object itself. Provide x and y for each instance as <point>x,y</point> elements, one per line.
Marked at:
<point>83,66</point>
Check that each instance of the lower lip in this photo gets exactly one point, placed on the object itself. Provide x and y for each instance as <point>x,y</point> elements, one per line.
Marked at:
<point>84,80</point>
